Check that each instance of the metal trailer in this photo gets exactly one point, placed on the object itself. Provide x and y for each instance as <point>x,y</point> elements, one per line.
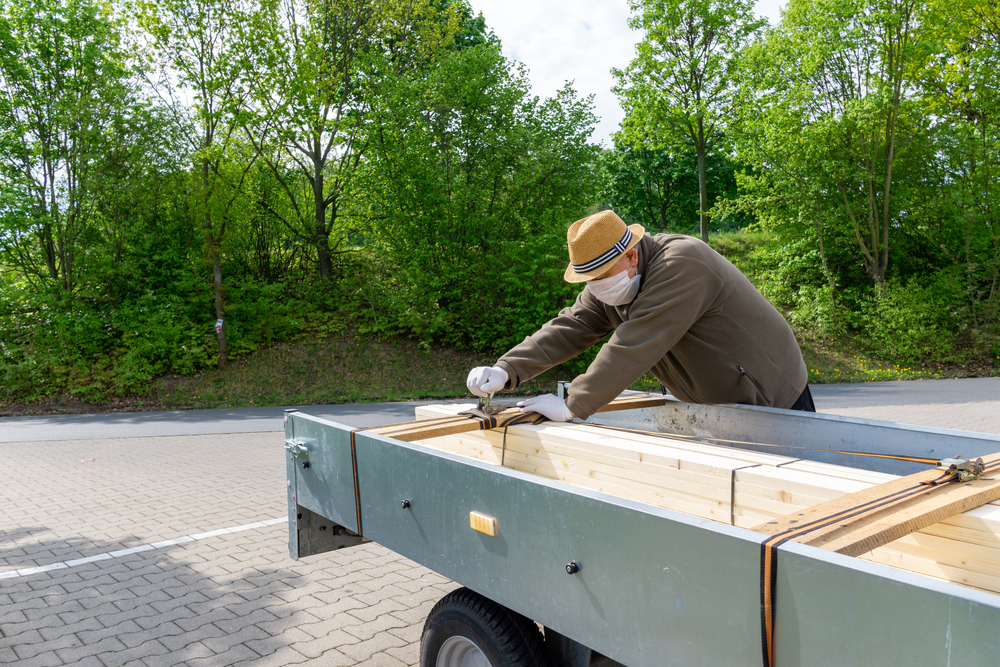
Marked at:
<point>615,581</point>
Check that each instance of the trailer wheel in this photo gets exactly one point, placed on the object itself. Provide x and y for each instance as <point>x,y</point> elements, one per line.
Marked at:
<point>465,629</point>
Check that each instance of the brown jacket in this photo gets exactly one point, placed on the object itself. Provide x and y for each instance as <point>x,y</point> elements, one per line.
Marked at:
<point>697,323</point>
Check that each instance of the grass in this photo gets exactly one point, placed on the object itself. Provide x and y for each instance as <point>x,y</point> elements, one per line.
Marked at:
<point>358,369</point>
<point>335,370</point>
<point>341,369</point>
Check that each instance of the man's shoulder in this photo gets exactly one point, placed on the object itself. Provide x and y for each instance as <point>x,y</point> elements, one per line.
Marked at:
<point>677,240</point>
<point>681,245</point>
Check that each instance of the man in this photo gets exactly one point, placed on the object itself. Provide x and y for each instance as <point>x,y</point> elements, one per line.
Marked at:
<point>676,307</point>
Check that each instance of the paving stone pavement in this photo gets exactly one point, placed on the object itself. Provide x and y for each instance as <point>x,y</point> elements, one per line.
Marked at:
<point>215,597</point>
<point>982,417</point>
<point>228,599</point>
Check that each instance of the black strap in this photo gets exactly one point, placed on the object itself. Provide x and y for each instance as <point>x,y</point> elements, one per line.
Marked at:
<point>357,488</point>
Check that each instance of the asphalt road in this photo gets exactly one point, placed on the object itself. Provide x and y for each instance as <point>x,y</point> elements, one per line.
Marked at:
<point>360,415</point>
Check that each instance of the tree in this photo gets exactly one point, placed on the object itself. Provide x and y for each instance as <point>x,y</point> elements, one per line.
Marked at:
<point>961,90</point>
<point>659,188</point>
<point>471,176</point>
<point>831,109</point>
<point>63,77</point>
<point>202,81</point>
<point>678,91</point>
<point>320,67</point>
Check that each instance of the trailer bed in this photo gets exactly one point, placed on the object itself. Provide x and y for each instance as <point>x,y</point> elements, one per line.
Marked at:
<point>653,586</point>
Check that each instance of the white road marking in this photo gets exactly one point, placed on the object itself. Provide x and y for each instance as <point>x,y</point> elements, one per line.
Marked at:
<point>142,547</point>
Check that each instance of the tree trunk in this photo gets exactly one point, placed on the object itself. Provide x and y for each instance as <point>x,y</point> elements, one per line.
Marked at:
<point>702,181</point>
<point>826,268</point>
<point>215,252</point>
<point>323,254</point>
<point>220,329</point>
<point>322,241</point>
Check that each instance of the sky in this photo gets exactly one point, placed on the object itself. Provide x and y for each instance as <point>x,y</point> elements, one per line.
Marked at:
<point>574,40</point>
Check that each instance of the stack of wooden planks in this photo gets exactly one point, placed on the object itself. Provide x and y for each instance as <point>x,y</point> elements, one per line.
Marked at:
<point>740,487</point>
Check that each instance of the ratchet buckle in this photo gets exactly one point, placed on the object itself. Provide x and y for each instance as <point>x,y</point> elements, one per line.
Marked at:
<point>486,405</point>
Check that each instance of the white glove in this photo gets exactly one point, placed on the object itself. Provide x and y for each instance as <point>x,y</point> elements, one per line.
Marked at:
<point>549,405</point>
<point>484,380</point>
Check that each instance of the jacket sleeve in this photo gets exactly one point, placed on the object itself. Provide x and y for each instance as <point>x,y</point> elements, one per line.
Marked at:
<point>572,331</point>
<point>672,298</point>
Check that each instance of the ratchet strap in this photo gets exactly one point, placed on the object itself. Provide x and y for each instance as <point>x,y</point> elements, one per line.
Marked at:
<point>510,417</point>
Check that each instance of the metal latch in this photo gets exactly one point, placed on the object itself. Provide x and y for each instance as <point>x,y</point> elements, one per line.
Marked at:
<point>296,449</point>
<point>964,468</point>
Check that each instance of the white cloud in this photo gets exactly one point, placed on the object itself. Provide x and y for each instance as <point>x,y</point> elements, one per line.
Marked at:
<point>574,40</point>
<point>567,40</point>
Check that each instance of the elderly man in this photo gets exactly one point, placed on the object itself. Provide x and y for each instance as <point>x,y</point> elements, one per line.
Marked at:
<point>676,308</point>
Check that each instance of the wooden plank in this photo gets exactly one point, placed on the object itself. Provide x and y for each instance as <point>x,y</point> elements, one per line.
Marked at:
<point>433,428</point>
<point>634,402</point>
<point>641,443</point>
<point>621,488</point>
<point>931,568</point>
<point>971,556</point>
<point>863,521</point>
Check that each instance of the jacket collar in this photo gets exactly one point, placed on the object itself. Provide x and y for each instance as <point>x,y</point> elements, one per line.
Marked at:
<point>645,249</point>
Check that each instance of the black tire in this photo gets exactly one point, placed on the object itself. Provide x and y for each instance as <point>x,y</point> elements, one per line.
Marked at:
<point>504,637</point>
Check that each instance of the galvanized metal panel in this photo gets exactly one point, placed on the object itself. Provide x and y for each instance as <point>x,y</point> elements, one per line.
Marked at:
<point>793,429</point>
<point>836,610</point>
<point>655,588</point>
<point>326,486</point>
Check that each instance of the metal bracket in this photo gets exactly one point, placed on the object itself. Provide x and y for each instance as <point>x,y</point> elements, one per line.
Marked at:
<point>562,389</point>
<point>316,534</point>
<point>490,409</point>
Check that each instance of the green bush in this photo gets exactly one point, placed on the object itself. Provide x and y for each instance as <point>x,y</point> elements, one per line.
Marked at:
<point>815,309</point>
<point>908,322</point>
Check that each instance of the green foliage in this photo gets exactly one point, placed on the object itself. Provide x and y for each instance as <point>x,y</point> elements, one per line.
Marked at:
<point>474,184</point>
<point>66,105</point>
<point>352,170</point>
<point>829,116</point>
<point>908,322</point>
<point>659,188</point>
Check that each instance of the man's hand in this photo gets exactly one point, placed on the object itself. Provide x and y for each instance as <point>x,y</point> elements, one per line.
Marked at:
<point>484,380</point>
<point>549,405</point>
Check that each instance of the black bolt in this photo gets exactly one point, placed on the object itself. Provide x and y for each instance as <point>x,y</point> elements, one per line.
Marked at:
<point>572,568</point>
<point>305,464</point>
<point>405,504</point>
<point>322,527</point>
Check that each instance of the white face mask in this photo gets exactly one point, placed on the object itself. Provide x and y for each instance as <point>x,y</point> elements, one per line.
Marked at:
<point>616,290</point>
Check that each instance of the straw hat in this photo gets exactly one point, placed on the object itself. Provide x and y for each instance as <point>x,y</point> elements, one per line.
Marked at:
<point>596,243</point>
